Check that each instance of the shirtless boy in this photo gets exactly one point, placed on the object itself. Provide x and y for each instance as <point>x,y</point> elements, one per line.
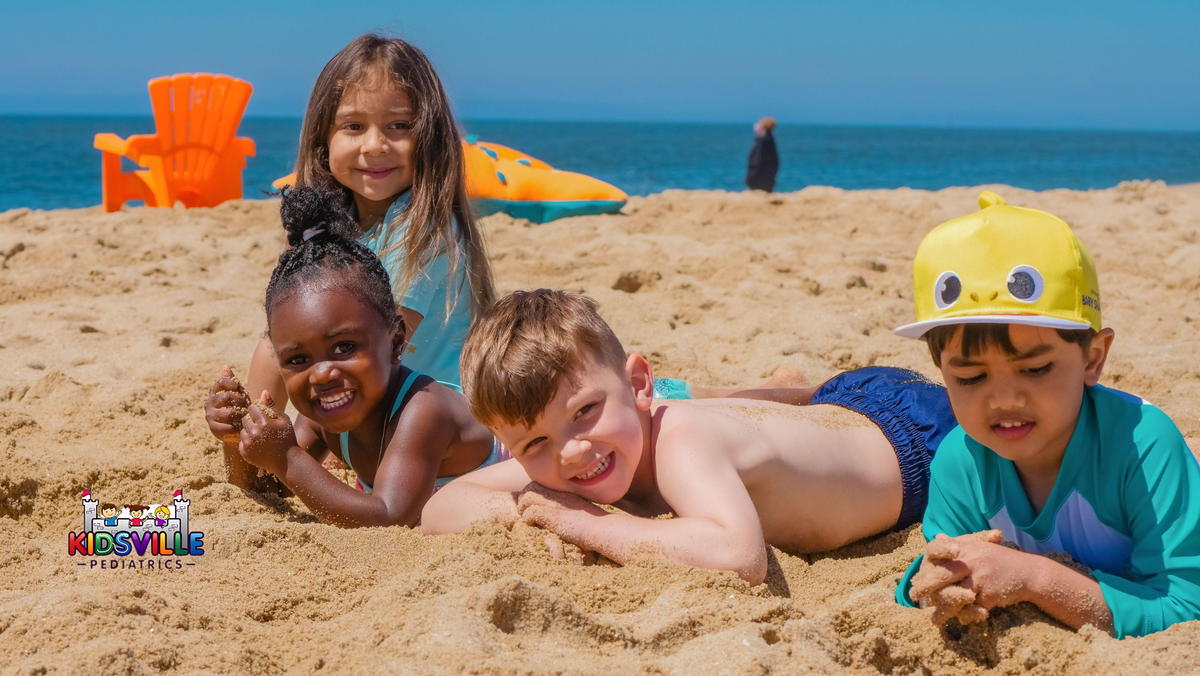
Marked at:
<point>545,373</point>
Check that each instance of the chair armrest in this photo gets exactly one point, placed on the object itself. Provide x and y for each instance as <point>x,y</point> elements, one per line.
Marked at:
<point>110,143</point>
<point>244,146</point>
<point>133,147</point>
<point>143,144</point>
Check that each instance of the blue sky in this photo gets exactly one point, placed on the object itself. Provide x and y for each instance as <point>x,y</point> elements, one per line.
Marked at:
<point>1098,64</point>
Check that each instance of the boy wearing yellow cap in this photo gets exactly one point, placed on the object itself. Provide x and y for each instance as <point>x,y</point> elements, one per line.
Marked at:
<point>1044,457</point>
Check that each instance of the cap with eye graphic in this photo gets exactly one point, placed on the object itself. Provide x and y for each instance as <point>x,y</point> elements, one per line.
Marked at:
<point>1003,265</point>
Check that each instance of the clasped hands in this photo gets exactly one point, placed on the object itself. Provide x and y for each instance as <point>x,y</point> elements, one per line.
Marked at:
<point>964,577</point>
<point>262,435</point>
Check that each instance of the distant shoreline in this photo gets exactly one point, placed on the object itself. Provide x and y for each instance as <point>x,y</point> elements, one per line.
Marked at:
<point>648,158</point>
<point>467,121</point>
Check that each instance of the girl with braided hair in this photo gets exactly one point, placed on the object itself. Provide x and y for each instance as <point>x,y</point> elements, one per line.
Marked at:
<point>333,327</point>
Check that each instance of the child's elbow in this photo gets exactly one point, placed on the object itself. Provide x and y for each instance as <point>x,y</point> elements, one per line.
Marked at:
<point>755,573</point>
<point>750,565</point>
<point>436,516</point>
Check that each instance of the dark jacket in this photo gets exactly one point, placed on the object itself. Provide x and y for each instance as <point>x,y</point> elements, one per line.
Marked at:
<point>764,163</point>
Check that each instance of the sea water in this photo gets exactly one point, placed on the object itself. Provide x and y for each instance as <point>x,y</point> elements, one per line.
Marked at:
<point>49,162</point>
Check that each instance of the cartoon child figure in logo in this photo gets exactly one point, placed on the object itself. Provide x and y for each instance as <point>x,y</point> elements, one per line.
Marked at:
<point>161,514</point>
<point>109,511</point>
<point>135,514</point>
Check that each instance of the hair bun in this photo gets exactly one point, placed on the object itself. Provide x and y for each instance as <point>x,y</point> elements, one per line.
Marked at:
<point>315,212</point>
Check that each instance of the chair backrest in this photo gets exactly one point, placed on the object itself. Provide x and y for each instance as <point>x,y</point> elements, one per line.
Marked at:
<point>196,115</point>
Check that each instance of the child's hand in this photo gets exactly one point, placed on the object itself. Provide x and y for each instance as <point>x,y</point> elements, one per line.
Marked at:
<point>543,541</point>
<point>968,575</point>
<point>266,436</point>
<point>225,406</point>
<point>541,506</point>
<point>940,581</point>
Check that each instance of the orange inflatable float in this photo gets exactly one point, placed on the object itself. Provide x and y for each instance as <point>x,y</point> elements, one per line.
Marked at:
<point>501,179</point>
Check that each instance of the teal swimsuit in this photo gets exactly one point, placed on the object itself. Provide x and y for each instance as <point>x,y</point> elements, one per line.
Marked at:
<point>498,451</point>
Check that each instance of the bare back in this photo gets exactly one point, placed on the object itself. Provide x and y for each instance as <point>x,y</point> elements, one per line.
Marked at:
<point>819,476</point>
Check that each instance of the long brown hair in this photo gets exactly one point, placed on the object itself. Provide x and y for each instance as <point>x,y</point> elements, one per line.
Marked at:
<point>439,194</point>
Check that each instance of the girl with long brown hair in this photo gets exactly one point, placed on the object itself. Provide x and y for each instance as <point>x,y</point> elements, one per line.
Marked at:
<point>379,131</point>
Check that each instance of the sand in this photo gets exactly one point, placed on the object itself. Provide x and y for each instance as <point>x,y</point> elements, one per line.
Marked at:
<point>113,326</point>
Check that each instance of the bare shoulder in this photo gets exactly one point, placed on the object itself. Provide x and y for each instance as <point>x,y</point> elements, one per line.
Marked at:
<point>439,402</point>
<point>690,426</point>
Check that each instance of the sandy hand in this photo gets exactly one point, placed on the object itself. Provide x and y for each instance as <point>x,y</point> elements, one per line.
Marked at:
<point>571,553</point>
<point>266,436</point>
<point>945,548</point>
<point>944,582</point>
<point>266,403</point>
<point>540,540</point>
<point>540,506</point>
<point>956,601</point>
<point>226,405</point>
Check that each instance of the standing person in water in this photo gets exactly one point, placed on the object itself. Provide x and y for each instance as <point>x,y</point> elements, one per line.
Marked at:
<point>338,339</point>
<point>764,158</point>
<point>379,133</point>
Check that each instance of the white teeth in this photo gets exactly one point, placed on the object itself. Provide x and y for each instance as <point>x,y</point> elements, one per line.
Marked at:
<point>599,468</point>
<point>1011,424</point>
<point>335,401</point>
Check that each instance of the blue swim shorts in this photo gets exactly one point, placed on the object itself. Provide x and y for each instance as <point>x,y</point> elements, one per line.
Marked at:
<point>912,411</point>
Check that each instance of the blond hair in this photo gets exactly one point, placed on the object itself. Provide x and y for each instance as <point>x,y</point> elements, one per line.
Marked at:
<point>519,350</point>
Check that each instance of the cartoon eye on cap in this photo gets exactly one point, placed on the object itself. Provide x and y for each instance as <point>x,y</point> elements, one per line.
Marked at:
<point>946,290</point>
<point>1025,283</point>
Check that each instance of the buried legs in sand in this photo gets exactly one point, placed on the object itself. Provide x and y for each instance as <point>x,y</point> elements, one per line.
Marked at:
<point>785,386</point>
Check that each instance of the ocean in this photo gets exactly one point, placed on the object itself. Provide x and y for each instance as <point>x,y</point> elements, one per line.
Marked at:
<point>49,162</point>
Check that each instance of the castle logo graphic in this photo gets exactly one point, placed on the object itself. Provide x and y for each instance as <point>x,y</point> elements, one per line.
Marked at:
<point>133,531</point>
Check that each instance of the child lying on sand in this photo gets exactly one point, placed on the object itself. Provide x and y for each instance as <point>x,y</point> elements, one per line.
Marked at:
<point>547,375</point>
<point>1008,301</point>
<point>332,322</point>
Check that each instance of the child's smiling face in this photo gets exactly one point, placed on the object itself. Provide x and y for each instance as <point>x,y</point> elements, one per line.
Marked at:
<point>370,145</point>
<point>1023,406</point>
<point>336,355</point>
<point>589,439</point>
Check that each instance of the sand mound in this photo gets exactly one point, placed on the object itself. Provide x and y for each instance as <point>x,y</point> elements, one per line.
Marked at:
<point>112,327</point>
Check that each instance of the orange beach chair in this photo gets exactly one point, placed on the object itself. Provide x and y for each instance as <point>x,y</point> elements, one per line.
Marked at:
<point>193,157</point>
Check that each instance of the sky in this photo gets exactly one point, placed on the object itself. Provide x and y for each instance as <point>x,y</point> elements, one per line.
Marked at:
<point>1019,63</point>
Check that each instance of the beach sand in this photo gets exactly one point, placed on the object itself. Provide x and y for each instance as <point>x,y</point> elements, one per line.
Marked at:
<point>113,326</point>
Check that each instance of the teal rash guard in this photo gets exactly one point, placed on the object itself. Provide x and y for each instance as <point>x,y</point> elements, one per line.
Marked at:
<point>1126,504</point>
<point>443,301</point>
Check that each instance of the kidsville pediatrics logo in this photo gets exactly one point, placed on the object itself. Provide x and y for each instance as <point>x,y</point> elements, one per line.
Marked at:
<point>136,536</point>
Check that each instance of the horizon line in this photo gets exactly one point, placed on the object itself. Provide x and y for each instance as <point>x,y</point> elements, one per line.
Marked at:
<point>631,121</point>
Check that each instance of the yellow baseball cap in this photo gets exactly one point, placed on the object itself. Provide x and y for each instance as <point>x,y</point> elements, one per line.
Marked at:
<point>1003,265</point>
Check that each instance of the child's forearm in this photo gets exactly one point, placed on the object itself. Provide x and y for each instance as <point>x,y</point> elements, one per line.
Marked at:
<point>687,540</point>
<point>237,471</point>
<point>1067,595</point>
<point>332,501</point>
<point>460,504</point>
